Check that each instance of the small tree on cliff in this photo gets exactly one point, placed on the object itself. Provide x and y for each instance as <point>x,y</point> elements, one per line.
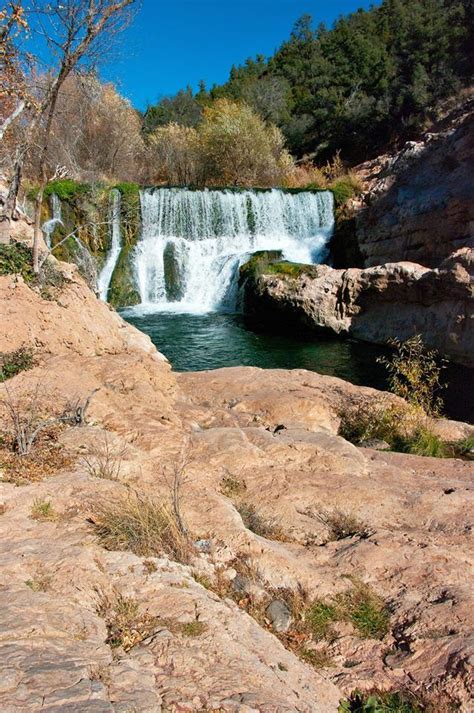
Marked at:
<point>76,32</point>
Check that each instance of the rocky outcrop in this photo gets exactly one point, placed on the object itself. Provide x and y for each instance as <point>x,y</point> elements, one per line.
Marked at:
<point>418,204</point>
<point>396,300</point>
<point>272,433</point>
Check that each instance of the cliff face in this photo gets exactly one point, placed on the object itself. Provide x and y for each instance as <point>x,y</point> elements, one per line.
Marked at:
<point>419,202</point>
<point>374,304</point>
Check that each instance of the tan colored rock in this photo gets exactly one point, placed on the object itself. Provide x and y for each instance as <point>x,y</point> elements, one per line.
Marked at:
<point>419,202</point>
<point>396,300</point>
<point>276,433</point>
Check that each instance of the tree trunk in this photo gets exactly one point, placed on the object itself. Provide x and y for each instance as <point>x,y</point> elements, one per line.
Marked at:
<point>37,227</point>
<point>10,203</point>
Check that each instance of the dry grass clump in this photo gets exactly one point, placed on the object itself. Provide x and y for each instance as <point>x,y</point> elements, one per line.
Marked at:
<point>40,581</point>
<point>31,424</point>
<point>342,524</point>
<point>42,510</point>
<point>232,486</point>
<point>318,658</point>
<point>258,523</point>
<point>126,625</point>
<point>142,525</point>
<point>193,628</point>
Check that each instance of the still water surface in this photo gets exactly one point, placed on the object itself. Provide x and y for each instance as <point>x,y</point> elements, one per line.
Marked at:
<point>196,342</point>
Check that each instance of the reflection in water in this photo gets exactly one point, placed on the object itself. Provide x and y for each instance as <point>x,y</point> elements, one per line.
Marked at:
<point>196,342</point>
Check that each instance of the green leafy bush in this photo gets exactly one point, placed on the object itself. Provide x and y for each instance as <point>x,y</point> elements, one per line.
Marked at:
<point>16,259</point>
<point>414,374</point>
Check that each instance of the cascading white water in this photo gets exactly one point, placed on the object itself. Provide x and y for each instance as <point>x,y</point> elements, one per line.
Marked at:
<point>56,219</point>
<point>103,281</point>
<point>194,241</point>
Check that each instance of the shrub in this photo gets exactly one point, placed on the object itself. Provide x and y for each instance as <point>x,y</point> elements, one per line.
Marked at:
<point>405,429</point>
<point>465,446</point>
<point>422,442</point>
<point>16,259</point>
<point>376,701</point>
<point>371,420</point>
<point>145,526</point>
<point>345,187</point>
<point>103,458</point>
<point>414,374</point>
<point>238,148</point>
<point>12,363</point>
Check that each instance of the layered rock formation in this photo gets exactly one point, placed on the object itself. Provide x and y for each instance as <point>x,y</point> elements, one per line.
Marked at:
<point>274,433</point>
<point>418,204</point>
<point>396,300</point>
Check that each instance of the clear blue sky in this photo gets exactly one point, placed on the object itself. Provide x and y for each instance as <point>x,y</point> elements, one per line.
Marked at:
<point>172,43</point>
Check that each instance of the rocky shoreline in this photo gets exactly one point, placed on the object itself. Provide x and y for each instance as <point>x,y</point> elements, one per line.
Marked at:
<point>376,304</point>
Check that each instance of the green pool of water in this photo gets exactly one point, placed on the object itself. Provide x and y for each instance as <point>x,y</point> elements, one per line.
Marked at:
<point>196,342</point>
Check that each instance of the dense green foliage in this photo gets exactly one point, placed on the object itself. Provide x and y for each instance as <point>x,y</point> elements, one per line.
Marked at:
<point>66,189</point>
<point>15,258</point>
<point>358,87</point>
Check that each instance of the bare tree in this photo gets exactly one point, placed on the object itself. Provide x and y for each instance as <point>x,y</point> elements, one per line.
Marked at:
<point>76,32</point>
<point>13,93</point>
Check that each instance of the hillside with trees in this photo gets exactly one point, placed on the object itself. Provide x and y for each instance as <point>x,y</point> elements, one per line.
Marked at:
<point>369,82</point>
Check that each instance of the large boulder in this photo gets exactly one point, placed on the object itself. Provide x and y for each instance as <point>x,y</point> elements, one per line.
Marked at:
<point>396,300</point>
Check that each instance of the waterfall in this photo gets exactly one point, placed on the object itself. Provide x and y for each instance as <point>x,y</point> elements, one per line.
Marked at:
<point>193,242</point>
<point>56,219</point>
<point>107,271</point>
<point>85,262</point>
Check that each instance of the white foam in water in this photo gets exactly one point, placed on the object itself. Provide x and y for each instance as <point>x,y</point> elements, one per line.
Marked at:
<point>207,234</point>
